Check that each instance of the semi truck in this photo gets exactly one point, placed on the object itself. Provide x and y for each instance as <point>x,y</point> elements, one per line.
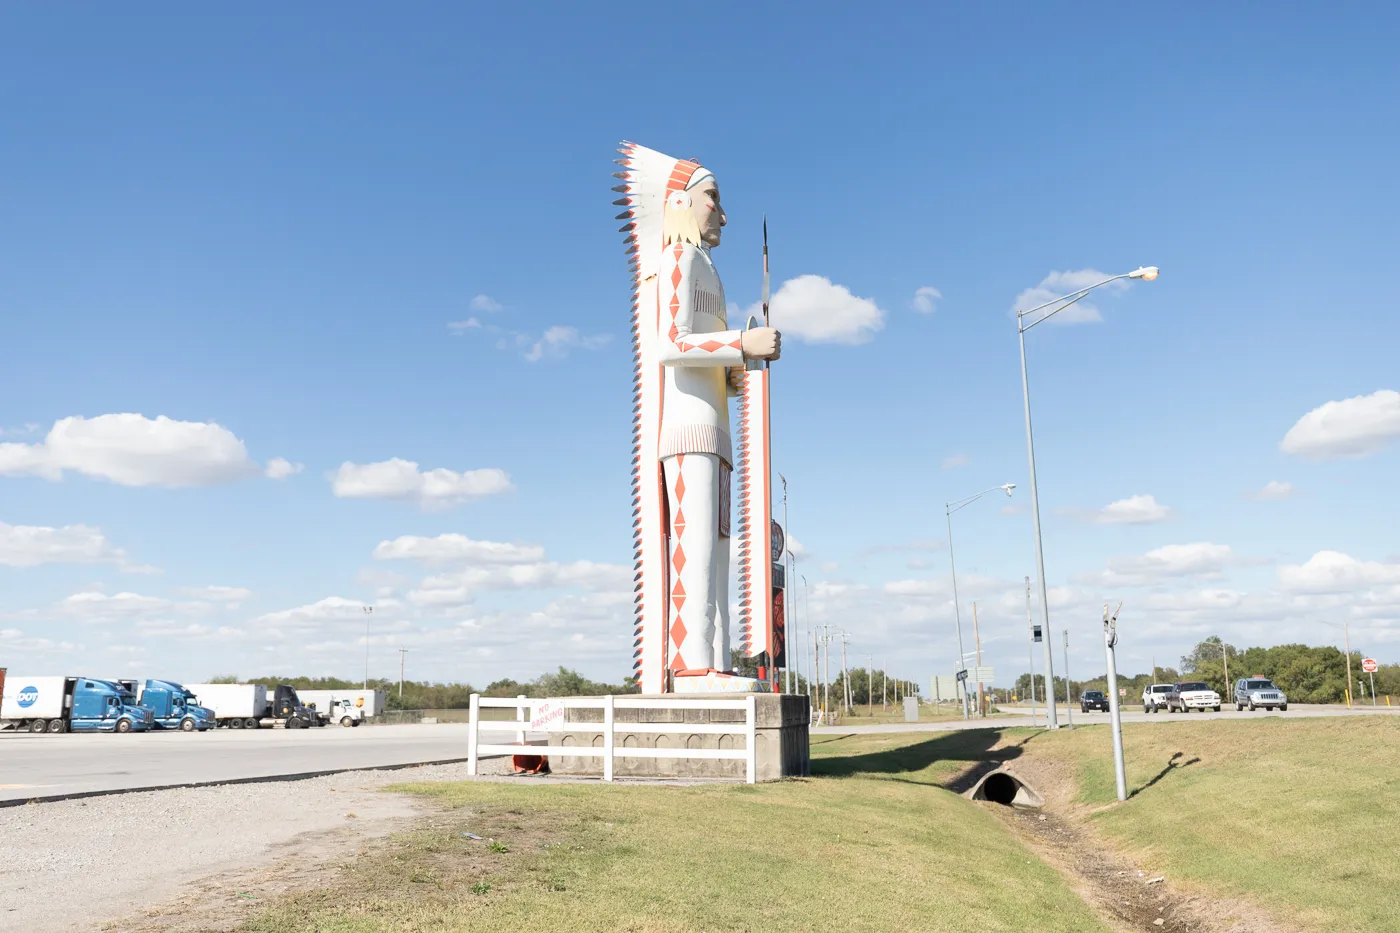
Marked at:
<point>252,706</point>
<point>173,706</point>
<point>70,704</point>
<point>347,707</point>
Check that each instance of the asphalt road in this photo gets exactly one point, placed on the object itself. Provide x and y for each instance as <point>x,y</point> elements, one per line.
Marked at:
<point>40,766</point>
<point>1021,717</point>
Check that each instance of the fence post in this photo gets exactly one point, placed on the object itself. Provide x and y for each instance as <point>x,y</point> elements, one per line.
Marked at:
<point>751,739</point>
<point>520,717</point>
<point>608,738</point>
<point>473,720</point>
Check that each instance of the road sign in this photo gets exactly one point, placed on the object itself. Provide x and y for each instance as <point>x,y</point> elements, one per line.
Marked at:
<point>548,716</point>
<point>945,688</point>
<point>1369,665</point>
<point>779,541</point>
<point>1122,692</point>
<point>982,675</point>
<point>962,675</point>
<point>1036,630</point>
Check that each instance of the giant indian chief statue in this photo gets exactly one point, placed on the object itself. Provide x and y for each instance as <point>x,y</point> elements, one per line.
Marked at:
<point>690,360</point>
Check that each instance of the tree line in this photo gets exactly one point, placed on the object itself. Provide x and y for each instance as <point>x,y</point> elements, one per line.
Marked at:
<point>1306,673</point>
<point>422,694</point>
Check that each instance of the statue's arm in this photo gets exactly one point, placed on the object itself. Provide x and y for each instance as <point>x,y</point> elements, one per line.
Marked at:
<point>680,346</point>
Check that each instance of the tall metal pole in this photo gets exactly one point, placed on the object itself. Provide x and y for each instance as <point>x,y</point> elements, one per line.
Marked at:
<point>957,612</point>
<point>369,610</point>
<point>1050,720</point>
<point>870,683</point>
<point>1346,634</point>
<point>845,676</point>
<point>1030,645</point>
<point>1069,697</point>
<point>826,669</point>
<point>1110,639</point>
<point>402,650</point>
<point>977,640</point>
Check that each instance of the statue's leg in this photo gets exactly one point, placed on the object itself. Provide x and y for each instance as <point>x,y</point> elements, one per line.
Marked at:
<point>692,487</point>
<point>721,576</point>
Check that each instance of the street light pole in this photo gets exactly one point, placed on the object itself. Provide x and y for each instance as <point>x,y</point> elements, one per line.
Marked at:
<point>1030,645</point>
<point>369,610</point>
<point>402,651</point>
<point>1146,273</point>
<point>1069,697</point>
<point>948,509</point>
<point>1110,641</point>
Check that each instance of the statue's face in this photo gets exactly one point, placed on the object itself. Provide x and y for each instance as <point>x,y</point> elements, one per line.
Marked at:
<point>709,215</point>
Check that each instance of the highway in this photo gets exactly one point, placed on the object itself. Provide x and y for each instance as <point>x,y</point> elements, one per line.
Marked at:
<point>47,766</point>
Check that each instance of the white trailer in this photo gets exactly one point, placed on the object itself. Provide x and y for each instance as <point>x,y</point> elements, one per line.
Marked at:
<point>238,706</point>
<point>28,699</point>
<point>347,707</point>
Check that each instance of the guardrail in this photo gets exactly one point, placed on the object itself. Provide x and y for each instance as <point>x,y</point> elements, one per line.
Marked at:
<point>610,750</point>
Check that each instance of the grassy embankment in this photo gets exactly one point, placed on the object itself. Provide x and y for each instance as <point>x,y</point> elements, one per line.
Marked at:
<point>870,846</point>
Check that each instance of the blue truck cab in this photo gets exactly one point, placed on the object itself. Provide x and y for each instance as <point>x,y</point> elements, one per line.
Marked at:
<point>174,707</point>
<point>106,706</point>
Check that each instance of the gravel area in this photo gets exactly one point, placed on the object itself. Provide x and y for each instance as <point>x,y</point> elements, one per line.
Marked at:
<point>78,865</point>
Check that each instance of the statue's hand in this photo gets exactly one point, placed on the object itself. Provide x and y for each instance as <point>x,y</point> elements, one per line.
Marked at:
<point>761,343</point>
<point>736,378</point>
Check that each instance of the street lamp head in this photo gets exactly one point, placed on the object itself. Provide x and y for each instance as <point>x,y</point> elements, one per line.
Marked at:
<point>1008,487</point>
<point>1146,273</point>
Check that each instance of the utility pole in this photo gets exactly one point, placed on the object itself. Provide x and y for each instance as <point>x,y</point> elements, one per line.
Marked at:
<point>369,610</point>
<point>977,639</point>
<point>402,651</point>
<point>1030,640</point>
<point>1069,696</point>
<point>826,673</point>
<point>845,673</point>
<point>1225,653</point>
<point>1346,634</point>
<point>870,684</point>
<point>884,689</point>
<point>1110,640</point>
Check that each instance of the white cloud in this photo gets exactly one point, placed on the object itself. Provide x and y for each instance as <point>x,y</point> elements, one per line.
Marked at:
<point>1060,283</point>
<point>278,468</point>
<point>813,309</point>
<point>14,640</point>
<point>1352,427</point>
<point>454,548</point>
<point>557,341</point>
<point>486,303</point>
<point>1134,510</point>
<point>402,480</point>
<point>795,546</point>
<point>231,596</point>
<point>924,299</point>
<point>1201,559</point>
<point>133,450</point>
<point>331,609</point>
<point>1335,572</point>
<point>1274,489</point>
<point>33,545</point>
<point>99,607</point>
<point>459,587</point>
<point>955,461</point>
<point>459,328</point>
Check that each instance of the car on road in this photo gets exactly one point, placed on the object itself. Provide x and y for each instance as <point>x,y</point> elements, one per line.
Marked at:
<point>1093,699</point>
<point>1254,692</point>
<point>1192,694</point>
<point>1154,697</point>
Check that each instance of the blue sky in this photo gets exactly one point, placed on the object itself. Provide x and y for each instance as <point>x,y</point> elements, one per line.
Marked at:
<point>268,220</point>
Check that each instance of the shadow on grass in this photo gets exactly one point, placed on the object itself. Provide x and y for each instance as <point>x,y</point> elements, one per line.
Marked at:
<point>1172,765</point>
<point>975,746</point>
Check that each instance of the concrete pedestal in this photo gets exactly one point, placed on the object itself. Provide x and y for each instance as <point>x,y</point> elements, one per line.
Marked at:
<point>781,740</point>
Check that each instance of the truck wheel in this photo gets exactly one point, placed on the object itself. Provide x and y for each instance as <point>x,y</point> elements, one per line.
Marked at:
<point>123,725</point>
<point>56,726</point>
<point>346,722</point>
<point>38,725</point>
<point>251,723</point>
<point>355,723</point>
<point>235,724</point>
<point>187,725</point>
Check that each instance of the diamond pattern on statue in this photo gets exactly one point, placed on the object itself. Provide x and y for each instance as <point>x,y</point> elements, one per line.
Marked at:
<point>679,523</point>
<point>678,634</point>
<point>678,559</point>
<point>680,485</point>
<point>712,345</point>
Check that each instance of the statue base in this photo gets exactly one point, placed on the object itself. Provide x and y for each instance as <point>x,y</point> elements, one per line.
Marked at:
<point>781,743</point>
<point>713,681</point>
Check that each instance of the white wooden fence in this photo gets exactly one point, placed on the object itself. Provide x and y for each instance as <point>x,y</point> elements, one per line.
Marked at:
<point>610,749</point>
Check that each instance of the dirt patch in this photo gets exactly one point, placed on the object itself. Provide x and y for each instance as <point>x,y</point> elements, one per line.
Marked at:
<point>1130,897</point>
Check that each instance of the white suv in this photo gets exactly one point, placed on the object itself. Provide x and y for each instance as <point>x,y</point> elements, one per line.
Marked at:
<point>1154,697</point>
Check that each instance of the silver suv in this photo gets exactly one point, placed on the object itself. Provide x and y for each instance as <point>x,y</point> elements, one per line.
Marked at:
<point>1254,692</point>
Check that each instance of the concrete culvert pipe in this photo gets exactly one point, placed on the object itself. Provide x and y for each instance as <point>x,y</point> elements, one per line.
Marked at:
<point>1007,789</point>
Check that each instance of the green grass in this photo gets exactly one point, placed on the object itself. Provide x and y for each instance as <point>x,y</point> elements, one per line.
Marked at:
<point>1302,816</point>
<point>870,844</point>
